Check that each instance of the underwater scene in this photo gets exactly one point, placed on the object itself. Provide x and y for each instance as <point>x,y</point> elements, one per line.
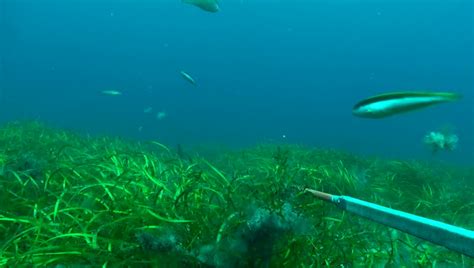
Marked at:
<point>236,133</point>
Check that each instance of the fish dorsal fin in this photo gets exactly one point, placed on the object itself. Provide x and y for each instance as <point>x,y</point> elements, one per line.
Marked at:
<point>207,5</point>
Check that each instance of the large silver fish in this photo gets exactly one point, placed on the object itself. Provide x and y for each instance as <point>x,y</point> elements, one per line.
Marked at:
<point>389,104</point>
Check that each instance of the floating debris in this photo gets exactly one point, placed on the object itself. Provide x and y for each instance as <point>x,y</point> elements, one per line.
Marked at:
<point>188,78</point>
<point>112,92</point>
<point>399,102</point>
<point>161,115</point>
<point>207,5</point>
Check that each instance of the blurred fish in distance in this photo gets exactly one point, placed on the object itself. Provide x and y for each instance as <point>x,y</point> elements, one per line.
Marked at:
<point>161,115</point>
<point>147,110</point>
<point>389,104</point>
<point>439,141</point>
<point>111,92</point>
<point>207,5</point>
<point>188,77</point>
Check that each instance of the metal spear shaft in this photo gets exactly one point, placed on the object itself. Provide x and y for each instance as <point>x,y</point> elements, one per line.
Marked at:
<point>452,237</point>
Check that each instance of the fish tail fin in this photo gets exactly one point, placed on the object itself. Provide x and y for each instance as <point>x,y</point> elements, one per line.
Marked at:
<point>450,96</point>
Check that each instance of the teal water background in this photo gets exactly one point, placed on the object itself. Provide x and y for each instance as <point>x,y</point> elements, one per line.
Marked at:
<point>265,70</point>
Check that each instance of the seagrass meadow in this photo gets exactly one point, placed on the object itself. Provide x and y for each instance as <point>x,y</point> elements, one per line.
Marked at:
<point>71,200</point>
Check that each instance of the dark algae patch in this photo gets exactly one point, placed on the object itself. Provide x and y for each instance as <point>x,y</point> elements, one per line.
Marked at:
<point>68,200</point>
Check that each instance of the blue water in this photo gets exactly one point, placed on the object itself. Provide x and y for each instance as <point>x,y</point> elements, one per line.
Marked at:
<point>264,69</point>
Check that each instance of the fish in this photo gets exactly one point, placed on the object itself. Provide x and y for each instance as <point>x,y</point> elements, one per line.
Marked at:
<point>394,103</point>
<point>206,5</point>
<point>188,78</point>
<point>148,110</point>
<point>111,92</point>
<point>161,115</point>
<point>441,141</point>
